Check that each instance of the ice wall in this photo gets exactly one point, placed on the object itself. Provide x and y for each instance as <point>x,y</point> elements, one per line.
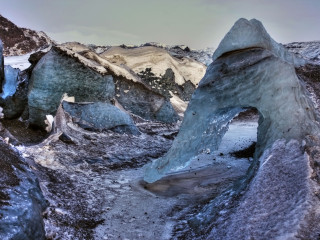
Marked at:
<point>57,73</point>
<point>1,64</point>
<point>252,70</point>
<point>10,81</point>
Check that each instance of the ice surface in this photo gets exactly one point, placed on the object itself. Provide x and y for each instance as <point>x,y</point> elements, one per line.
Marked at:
<point>10,81</point>
<point>20,62</point>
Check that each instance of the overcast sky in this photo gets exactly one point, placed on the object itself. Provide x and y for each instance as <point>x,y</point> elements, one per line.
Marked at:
<point>196,23</point>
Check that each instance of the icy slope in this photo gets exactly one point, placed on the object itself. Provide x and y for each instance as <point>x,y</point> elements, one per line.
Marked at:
<point>253,72</point>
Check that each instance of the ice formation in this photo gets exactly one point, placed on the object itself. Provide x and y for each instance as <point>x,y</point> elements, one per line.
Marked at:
<point>1,63</point>
<point>56,74</point>
<point>10,81</point>
<point>22,202</point>
<point>100,116</point>
<point>251,70</point>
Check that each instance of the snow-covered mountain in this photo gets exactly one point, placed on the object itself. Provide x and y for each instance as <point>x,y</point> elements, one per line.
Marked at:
<point>19,41</point>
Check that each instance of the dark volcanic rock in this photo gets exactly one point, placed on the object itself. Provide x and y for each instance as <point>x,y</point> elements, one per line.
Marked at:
<point>57,73</point>
<point>18,41</point>
<point>21,200</point>
<point>100,116</point>
<point>35,57</point>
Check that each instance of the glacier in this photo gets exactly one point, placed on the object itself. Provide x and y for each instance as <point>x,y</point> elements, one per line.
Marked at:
<point>277,199</point>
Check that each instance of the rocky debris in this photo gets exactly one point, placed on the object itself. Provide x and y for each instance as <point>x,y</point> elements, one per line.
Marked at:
<point>21,200</point>
<point>19,41</point>
<point>251,70</point>
<point>58,73</point>
<point>18,132</point>
<point>100,116</point>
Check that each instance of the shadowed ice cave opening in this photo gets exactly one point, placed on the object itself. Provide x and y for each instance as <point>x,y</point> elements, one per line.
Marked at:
<point>212,172</point>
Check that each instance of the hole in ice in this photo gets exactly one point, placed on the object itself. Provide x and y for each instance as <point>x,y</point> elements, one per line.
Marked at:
<point>216,171</point>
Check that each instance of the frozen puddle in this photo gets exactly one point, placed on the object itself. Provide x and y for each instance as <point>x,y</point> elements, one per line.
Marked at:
<point>135,209</point>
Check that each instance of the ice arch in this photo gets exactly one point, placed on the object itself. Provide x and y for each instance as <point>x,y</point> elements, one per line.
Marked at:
<point>282,200</point>
<point>253,77</point>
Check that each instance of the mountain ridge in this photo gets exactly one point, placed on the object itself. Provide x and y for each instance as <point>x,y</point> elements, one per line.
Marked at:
<point>19,41</point>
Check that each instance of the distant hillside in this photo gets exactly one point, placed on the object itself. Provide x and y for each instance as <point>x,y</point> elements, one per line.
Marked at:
<point>19,41</point>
